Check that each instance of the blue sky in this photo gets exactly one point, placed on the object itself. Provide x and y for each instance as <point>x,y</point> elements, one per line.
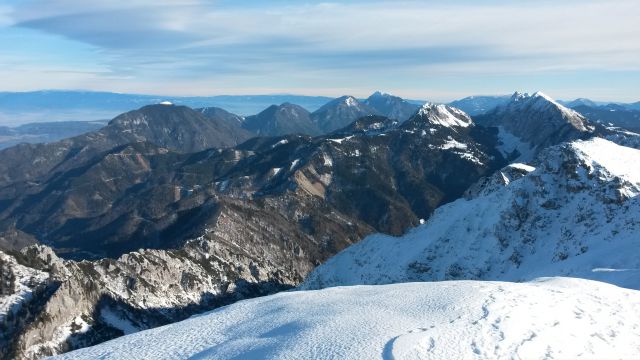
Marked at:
<point>437,50</point>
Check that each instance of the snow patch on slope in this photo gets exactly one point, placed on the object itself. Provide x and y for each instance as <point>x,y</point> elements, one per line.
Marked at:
<point>453,144</point>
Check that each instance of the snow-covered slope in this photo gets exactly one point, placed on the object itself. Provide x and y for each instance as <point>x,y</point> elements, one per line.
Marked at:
<point>442,320</point>
<point>576,214</point>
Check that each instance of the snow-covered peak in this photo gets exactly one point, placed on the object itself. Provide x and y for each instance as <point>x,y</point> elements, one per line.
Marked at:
<point>524,96</point>
<point>519,96</point>
<point>351,101</point>
<point>543,103</point>
<point>167,103</point>
<point>544,96</point>
<point>379,94</point>
<point>444,115</point>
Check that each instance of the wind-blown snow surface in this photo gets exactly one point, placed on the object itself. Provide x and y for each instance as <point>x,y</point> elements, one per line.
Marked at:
<point>554,318</point>
<point>576,214</point>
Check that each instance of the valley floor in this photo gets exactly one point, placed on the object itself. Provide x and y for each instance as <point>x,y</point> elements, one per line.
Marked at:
<point>549,318</point>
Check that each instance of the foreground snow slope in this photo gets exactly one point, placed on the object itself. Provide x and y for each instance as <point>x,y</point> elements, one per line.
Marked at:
<point>575,214</point>
<point>553,318</point>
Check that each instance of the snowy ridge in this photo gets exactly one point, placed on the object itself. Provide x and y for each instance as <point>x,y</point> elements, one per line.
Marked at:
<point>351,101</point>
<point>576,212</point>
<point>442,320</point>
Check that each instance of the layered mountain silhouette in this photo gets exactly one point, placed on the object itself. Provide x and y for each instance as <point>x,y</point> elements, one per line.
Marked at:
<point>282,120</point>
<point>168,211</point>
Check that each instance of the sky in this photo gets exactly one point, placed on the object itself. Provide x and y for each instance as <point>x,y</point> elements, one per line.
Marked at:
<point>436,50</point>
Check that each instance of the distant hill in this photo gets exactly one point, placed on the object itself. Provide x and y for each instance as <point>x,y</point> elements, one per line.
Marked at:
<point>341,112</point>
<point>55,105</point>
<point>282,120</point>
<point>612,115</point>
<point>44,132</point>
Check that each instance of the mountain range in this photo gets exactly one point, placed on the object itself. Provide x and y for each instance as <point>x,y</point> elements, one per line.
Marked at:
<point>612,115</point>
<point>58,105</point>
<point>169,211</point>
<point>221,219</point>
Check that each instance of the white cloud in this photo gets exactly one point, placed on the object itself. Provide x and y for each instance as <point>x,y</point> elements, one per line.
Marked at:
<point>220,40</point>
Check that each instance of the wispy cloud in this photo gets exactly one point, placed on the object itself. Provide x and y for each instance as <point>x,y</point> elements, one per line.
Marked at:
<point>282,44</point>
